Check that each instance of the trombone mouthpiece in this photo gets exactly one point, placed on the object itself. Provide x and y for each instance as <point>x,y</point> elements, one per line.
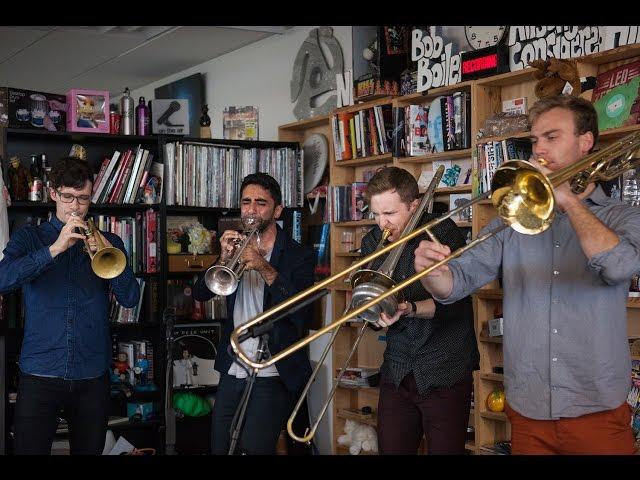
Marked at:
<point>543,162</point>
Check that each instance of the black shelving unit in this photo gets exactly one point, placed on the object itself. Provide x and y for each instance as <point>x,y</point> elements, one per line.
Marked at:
<point>23,143</point>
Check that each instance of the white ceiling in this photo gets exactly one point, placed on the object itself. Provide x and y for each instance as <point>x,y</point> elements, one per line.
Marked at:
<point>57,58</point>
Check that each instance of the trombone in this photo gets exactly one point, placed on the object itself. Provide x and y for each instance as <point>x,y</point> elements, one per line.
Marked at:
<point>523,197</point>
<point>367,284</point>
<point>106,262</point>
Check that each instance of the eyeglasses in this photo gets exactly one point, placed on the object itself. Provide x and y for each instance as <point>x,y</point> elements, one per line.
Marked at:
<point>68,198</point>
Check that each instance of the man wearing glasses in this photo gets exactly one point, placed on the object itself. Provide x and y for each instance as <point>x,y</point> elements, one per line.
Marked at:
<point>66,350</point>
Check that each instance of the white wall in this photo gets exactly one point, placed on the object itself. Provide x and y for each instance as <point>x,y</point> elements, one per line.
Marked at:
<point>256,75</point>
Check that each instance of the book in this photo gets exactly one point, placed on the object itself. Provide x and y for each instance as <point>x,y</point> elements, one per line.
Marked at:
<point>240,123</point>
<point>515,105</point>
<point>616,96</point>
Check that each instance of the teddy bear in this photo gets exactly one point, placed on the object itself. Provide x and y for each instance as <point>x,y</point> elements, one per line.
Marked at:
<point>359,437</point>
<point>554,74</point>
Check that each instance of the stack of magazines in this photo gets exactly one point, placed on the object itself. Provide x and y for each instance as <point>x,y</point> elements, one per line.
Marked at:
<point>360,377</point>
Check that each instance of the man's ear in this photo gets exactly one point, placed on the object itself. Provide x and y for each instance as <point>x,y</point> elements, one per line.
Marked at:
<point>586,142</point>
<point>277,212</point>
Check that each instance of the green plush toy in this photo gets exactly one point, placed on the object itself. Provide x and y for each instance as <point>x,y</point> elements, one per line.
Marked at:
<point>190,404</point>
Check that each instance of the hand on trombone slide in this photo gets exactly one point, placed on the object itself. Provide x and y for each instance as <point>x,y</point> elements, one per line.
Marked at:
<point>404,309</point>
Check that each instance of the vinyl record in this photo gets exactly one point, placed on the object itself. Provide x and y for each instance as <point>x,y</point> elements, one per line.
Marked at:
<point>316,157</point>
<point>435,126</point>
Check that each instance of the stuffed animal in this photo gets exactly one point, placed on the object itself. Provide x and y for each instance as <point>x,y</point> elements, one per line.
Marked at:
<point>359,437</point>
<point>554,74</point>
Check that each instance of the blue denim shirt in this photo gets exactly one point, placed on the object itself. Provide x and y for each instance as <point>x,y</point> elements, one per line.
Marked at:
<point>66,332</point>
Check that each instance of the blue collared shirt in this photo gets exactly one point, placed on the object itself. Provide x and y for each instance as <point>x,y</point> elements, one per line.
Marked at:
<point>565,317</point>
<point>66,332</point>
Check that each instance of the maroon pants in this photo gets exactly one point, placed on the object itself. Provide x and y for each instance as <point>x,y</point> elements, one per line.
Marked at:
<point>441,415</point>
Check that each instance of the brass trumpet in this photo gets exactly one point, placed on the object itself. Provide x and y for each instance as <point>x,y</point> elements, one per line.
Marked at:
<point>223,277</point>
<point>106,262</point>
<point>523,197</point>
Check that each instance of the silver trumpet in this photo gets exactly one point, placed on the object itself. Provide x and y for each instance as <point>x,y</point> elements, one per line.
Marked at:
<point>223,277</point>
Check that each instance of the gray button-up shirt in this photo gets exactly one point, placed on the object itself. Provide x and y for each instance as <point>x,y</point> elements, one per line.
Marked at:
<point>565,320</point>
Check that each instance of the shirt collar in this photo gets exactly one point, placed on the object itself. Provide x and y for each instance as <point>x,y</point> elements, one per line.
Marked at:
<point>55,221</point>
<point>598,196</point>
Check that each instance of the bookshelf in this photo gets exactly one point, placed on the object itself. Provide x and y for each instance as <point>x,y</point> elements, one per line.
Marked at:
<point>150,326</point>
<point>486,99</point>
<point>487,95</point>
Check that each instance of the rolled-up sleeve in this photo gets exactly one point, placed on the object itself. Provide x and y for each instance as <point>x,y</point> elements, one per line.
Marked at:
<point>20,264</point>
<point>476,267</point>
<point>620,263</point>
<point>124,286</point>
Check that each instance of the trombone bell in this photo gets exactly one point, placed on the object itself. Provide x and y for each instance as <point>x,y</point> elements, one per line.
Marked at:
<point>523,196</point>
<point>369,284</point>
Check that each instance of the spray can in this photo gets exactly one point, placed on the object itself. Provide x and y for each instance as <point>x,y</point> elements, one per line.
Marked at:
<point>142,117</point>
<point>127,124</point>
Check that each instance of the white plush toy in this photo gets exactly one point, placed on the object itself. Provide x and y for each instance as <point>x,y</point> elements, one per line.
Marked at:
<point>358,436</point>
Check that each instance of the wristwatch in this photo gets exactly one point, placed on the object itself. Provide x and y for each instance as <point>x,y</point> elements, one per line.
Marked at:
<point>414,308</point>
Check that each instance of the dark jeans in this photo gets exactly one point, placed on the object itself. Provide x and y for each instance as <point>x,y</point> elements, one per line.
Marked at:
<point>269,407</point>
<point>42,400</point>
<point>404,415</point>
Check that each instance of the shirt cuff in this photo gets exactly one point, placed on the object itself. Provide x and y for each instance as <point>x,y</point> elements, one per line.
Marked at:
<point>42,257</point>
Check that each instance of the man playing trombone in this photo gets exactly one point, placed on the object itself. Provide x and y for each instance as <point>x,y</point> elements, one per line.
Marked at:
<point>566,357</point>
<point>275,268</point>
<point>66,351</point>
<point>431,348</point>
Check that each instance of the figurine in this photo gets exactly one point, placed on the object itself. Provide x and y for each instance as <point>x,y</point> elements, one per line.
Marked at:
<point>205,123</point>
<point>121,367</point>
<point>19,180</point>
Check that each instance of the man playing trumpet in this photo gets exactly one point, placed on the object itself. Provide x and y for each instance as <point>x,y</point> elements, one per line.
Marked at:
<point>66,351</point>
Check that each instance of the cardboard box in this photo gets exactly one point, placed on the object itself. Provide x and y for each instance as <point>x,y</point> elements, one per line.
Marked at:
<point>88,111</point>
<point>29,109</point>
<point>170,117</point>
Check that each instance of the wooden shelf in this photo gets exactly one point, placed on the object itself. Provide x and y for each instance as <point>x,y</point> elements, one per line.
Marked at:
<point>510,78</point>
<point>349,414</point>
<point>470,445</point>
<point>617,133</point>
<point>354,223</point>
<point>430,157</point>
<point>342,449</point>
<point>614,55</point>
<point>385,100</point>
<point>494,377</point>
<point>385,157</point>
<point>462,224</point>
<point>347,254</point>
<point>504,137</point>
<point>428,95</point>
<point>500,416</point>
<point>342,288</point>
<point>456,189</point>
<point>487,339</point>
<point>308,123</point>
<point>489,293</point>
<point>635,357</point>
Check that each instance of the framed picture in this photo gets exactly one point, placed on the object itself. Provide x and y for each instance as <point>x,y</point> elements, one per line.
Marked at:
<point>190,89</point>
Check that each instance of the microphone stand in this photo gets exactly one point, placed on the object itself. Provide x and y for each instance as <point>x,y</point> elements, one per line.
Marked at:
<point>238,417</point>
<point>169,412</point>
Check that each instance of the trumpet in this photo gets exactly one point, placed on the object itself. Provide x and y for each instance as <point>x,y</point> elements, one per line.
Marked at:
<point>523,197</point>
<point>106,262</point>
<point>223,278</point>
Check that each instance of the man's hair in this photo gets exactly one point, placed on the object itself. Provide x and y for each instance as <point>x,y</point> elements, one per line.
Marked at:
<point>265,181</point>
<point>585,116</point>
<point>70,172</point>
<point>394,179</point>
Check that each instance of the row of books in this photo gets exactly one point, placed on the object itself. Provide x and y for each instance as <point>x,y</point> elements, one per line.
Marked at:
<point>444,124</point>
<point>123,177</point>
<point>210,176</point>
<point>347,202</point>
<point>139,235</point>
<point>120,314</point>
<point>359,377</point>
<point>363,133</point>
<point>490,155</point>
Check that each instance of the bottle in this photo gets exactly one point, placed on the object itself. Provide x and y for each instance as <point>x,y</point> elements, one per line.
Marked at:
<point>114,119</point>
<point>35,191</point>
<point>142,117</point>
<point>127,124</point>
<point>46,182</point>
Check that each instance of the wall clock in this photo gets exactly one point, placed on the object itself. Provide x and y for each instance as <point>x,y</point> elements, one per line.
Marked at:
<point>484,36</point>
